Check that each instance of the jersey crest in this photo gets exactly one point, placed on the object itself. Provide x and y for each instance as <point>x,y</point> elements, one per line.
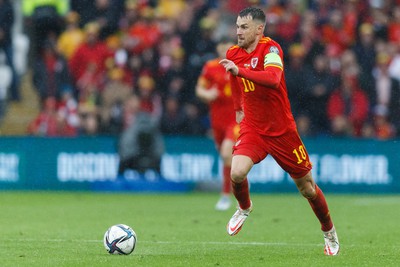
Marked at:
<point>254,62</point>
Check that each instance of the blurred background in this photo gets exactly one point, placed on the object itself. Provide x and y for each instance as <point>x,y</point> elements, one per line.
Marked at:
<point>100,94</point>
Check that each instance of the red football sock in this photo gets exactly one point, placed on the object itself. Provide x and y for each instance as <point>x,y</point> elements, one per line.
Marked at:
<point>226,180</point>
<point>242,194</point>
<point>320,208</point>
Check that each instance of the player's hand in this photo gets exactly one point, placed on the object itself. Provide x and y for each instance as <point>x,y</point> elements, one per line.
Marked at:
<point>213,93</point>
<point>239,116</point>
<point>229,66</point>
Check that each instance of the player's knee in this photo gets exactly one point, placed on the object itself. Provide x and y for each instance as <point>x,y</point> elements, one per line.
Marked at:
<point>238,175</point>
<point>308,191</point>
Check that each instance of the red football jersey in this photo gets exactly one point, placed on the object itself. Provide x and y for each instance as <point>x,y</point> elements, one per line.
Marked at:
<point>260,89</point>
<point>222,113</point>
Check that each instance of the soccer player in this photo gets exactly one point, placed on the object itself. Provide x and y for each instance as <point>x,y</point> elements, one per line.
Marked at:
<point>266,122</point>
<point>213,87</point>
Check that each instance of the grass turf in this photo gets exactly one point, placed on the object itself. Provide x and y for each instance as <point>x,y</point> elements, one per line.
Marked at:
<point>66,229</point>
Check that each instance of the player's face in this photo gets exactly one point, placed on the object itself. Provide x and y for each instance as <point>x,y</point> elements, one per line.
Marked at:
<point>247,30</point>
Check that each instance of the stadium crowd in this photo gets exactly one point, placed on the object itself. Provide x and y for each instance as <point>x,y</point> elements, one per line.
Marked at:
<point>97,64</point>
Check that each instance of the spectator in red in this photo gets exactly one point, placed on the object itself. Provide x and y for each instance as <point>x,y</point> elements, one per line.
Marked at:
<point>87,65</point>
<point>290,21</point>
<point>348,107</point>
<point>394,26</point>
<point>336,32</point>
<point>143,33</point>
<point>48,122</point>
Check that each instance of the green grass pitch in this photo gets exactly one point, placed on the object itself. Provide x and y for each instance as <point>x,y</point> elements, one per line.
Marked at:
<point>67,228</point>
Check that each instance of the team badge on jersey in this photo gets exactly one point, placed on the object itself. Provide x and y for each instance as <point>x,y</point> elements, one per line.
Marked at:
<point>254,62</point>
<point>274,49</point>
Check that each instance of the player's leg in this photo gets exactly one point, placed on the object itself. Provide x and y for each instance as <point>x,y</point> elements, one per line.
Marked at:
<point>316,198</point>
<point>224,202</point>
<point>241,165</point>
<point>290,153</point>
<point>249,149</point>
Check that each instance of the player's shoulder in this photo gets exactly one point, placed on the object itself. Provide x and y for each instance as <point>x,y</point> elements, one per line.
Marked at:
<point>213,62</point>
<point>270,44</point>
<point>232,51</point>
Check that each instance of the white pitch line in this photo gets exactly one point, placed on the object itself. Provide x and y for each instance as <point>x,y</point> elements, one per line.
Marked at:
<point>218,243</point>
<point>169,242</point>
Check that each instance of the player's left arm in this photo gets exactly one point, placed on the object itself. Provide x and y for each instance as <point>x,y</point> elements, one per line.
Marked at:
<point>271,75</point>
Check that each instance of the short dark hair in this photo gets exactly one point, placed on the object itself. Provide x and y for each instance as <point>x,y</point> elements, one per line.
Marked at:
<point>255,12</point>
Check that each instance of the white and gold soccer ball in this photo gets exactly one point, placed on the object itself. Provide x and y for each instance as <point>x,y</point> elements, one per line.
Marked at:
<point>120,239</point>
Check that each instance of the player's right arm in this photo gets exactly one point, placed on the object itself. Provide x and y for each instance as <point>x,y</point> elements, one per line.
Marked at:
<point>204,93</point>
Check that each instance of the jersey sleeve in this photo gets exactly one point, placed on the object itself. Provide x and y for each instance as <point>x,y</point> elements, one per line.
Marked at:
<point>270,77</point>
<point>272,73</point>
<point>236,93</point>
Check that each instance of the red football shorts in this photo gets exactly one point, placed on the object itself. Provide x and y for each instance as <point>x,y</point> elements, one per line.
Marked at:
<point>288,151</point>
<point>230,132</point>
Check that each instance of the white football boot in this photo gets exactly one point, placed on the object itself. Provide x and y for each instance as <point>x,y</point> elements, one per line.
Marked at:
<point>223,203</point>
<point>236,222</point>
<point>331,242</point>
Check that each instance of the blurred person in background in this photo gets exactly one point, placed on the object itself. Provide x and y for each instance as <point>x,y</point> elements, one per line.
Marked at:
<point>43,21</point>
<point>89,122</point>
<point>149,97</point>
<point>172,80</point>
<point>197,41</point>
<point>116,91</point>
<point>173,119</point>
<point>88,64</point>
<point>140,145</point>
<point>387,90</point>
<point>348,107</point>
<point>213,88</point>
<point>379,126</point>
<point>364,50</point>
<point>49,122</point>
<point>5,81</point>
<point>143,32</point>
<point>336,31</point>
<point>296,80</point>
<point>67,110</point>
<point>107,14</point>
<point>319,86</point>
<point>296,83</point>
<point>6,46</point>
<point>385,87</point>
<point>72,37</point>
<point>394,26</point>
<point>196,123</point>
<point>50,73</point>
<point>309,37</point>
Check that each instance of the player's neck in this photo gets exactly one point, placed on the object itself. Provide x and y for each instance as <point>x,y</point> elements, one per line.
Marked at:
<point>253,45</point>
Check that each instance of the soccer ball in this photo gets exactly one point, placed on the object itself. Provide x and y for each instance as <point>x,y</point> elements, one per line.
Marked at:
<point>120,239</point>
